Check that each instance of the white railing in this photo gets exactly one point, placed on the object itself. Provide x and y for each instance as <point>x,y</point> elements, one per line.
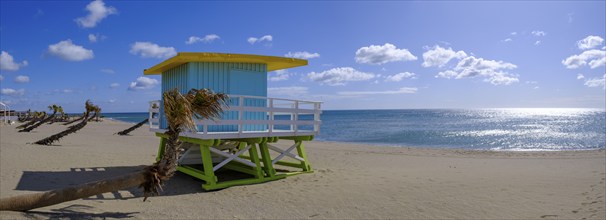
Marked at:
<point>254,116</point>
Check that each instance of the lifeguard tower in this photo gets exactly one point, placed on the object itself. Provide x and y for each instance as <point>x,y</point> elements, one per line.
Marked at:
<point>242,139</point>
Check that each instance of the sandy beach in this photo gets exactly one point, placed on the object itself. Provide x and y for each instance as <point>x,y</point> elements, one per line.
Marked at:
<point>350,181</point>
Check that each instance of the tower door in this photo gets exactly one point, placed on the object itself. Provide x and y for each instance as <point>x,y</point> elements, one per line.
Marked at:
<point>248,83</point>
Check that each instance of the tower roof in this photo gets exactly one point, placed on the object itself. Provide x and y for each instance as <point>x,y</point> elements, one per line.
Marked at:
<point>272,62</point>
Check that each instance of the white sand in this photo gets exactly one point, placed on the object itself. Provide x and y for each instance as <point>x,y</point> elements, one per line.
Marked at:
<point>350,181</point>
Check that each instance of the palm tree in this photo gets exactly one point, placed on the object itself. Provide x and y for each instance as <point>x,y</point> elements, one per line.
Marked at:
<point>97,110</point>
<point>132,128</point>
<point>61,117</point>
<point>26,117</point>
<point>37,116</point>
<point>58,110</point>
<point>179,111</point>
<point>98,113</point>
<point>75,120</point>
<point>88,105</point>
<point>53,108</point>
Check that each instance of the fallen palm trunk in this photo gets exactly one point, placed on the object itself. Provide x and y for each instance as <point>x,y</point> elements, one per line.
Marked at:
<point>150,179</point>
<point>128,130</point>
<point>56,137</point>
<point>42,199</point>
<point>75,120</point>
<point>26,118</point>
<point>180,111</point>
<point>57,119</point>
<point>31,122</point>
<point>93,117</point>
<point>30,128</point>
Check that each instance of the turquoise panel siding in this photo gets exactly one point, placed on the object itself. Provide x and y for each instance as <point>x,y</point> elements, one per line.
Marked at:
<point>173,78</point>
<point>229,78</point>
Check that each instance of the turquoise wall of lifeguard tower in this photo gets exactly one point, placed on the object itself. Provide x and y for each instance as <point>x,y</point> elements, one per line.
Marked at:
<point>230,78</point>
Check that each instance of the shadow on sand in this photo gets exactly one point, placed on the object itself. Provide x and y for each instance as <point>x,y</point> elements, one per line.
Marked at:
<point>179,184</point>
<point>77,212</point>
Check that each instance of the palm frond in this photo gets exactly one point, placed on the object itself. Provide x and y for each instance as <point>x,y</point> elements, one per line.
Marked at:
<point>178,111</point>
<point>206,104</point>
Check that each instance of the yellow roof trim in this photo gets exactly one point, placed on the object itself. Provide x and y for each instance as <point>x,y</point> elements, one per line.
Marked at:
<point>273,63</point>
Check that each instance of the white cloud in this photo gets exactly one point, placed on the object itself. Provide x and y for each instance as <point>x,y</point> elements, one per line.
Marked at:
<point>97,12</point>
<point>590,42</point>
<point>66,91</point>
<point>12,92</point>
<point>514,33</point>
<point>403,90</point>
<point>439,56</point>
<point>492,70</point>
<point>469,66</point>
<point>266,38</point>
<point>377,54</point>
<point>22,79</point>
<point>302,55</point>
<point>398,77</point>
<point>598,62</point>
<point>339,76</point>
<point>148,49</point>
<point>537,43</point>
<point>143,83</point>
<point>281,75</point>
<point>595,58</point>
<point>114,85</point>
<point>111,101</point>
<point>501,78</point>
<point>508,40</point>
<point>597,82</point>
<point>447,74</point>
<point>538,33</point>
<point>206,39</point>
<point>93,38</point>
<point>294,91</point>
<point>580,76</point>
<point>8,63</point>
<point>109,71</point>
<point>66,50</point>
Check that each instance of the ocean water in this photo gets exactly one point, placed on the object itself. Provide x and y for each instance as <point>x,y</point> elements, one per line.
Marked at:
<point>130,117</point>
<point>477,129</point>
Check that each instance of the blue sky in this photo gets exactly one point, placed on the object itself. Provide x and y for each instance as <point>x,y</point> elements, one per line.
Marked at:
<point>362,55</point>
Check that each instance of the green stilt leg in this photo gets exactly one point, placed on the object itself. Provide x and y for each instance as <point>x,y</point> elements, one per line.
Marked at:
<point>207,163</point>
<point>241,145</point>
<point>267,165</point>
<point>264,168</point>
<point>254,156</point>
<point>301,151</point>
